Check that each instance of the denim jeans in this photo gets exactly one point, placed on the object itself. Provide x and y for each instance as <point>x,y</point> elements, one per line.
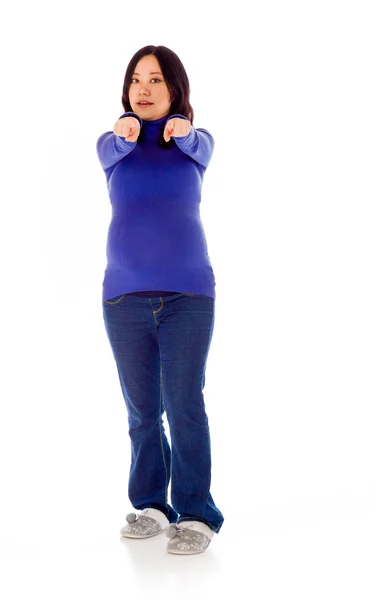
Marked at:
<point>160,346</point>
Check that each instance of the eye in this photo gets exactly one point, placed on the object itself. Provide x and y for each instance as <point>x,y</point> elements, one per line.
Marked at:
<point>154,79</point>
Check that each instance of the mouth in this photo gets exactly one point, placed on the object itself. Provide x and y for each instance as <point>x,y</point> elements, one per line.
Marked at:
<point>144,103</point>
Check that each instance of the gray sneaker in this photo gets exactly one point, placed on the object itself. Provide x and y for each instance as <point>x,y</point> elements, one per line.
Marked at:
<point>149,522</point>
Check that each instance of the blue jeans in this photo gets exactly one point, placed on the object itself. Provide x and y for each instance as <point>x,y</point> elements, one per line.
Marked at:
<point>160,346</point>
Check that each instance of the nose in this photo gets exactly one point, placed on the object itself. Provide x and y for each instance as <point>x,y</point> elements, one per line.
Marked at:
<point>143,91</point>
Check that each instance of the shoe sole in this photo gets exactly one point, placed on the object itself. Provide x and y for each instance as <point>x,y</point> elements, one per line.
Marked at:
<point>185,552</point>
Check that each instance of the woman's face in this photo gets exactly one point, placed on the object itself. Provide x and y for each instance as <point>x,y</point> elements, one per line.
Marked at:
<point>148,85</point>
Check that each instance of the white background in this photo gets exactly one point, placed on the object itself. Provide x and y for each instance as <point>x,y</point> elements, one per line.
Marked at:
<point>287,90</point>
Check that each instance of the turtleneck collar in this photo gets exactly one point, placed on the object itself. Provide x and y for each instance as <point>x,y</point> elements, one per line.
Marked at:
<point>153,130</point>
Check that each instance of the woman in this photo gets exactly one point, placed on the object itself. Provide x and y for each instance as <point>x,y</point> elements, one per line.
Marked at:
<point>159,297</point>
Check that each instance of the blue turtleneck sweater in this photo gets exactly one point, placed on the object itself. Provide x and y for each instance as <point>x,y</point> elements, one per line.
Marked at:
<point>155,238</point>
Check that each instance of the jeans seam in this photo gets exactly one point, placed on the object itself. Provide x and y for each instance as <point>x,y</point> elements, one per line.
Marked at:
<point>161,306</point>
<point>160,431</point>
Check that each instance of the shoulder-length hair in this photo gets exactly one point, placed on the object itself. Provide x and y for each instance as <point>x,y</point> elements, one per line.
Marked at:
<point>176,79</point>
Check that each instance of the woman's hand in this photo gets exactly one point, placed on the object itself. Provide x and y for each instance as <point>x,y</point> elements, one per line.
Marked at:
<point>176,128</point>
<point>128,128</point>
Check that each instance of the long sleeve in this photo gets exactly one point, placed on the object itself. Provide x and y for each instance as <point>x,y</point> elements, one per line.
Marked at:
<point>198,144</point>
<point>111,147</point>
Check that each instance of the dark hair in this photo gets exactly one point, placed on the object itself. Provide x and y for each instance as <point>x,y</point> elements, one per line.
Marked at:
<point>176,79</point>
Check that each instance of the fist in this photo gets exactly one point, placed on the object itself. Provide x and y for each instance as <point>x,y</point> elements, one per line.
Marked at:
<point>128,128</point>
<point>176,128</point>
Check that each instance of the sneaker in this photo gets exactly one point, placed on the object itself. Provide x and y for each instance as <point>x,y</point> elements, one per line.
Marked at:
<point>149,522</point>
<point>188,537</point>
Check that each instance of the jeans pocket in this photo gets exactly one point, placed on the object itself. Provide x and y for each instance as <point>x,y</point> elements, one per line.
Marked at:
<point>116,299</point>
